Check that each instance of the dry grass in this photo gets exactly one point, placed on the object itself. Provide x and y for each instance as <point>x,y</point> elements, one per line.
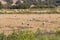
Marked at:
<point>46,22</point>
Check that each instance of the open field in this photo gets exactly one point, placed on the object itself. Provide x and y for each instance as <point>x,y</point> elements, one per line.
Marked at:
<point>29,26</point>
<point>48,23</point>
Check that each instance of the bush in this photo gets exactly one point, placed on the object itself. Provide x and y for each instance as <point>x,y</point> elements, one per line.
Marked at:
<point>12,7</point>
<point>23,6</point>
<point>44,6</point>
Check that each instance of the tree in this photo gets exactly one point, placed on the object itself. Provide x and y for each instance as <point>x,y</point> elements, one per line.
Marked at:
<point>6,6</point>
<point>12,7</point>
<point>0,5</point>
<point>23,6</point>
<point>20,5</point>
<point>9,1</point>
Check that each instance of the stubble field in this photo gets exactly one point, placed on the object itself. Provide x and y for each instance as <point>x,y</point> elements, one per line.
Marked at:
<point>47,23</point>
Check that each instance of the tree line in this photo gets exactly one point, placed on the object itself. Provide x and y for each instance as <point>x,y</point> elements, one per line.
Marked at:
<point>28,3</point>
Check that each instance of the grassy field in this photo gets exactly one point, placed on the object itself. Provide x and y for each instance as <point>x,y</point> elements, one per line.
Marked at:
<point>46,22</point>
<point>40,26</point>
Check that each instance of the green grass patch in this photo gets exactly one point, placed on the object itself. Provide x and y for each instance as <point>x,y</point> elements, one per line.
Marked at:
<point>29,35</point>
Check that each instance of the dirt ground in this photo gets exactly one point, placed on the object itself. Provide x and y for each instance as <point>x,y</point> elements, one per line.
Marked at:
<point>46,22</point>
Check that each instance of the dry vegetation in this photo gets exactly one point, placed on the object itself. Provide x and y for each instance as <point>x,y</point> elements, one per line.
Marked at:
<point>44,26</point>
<point>47,23</point>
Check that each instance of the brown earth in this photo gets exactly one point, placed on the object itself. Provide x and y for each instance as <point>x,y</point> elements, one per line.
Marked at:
<point>46,22</point>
